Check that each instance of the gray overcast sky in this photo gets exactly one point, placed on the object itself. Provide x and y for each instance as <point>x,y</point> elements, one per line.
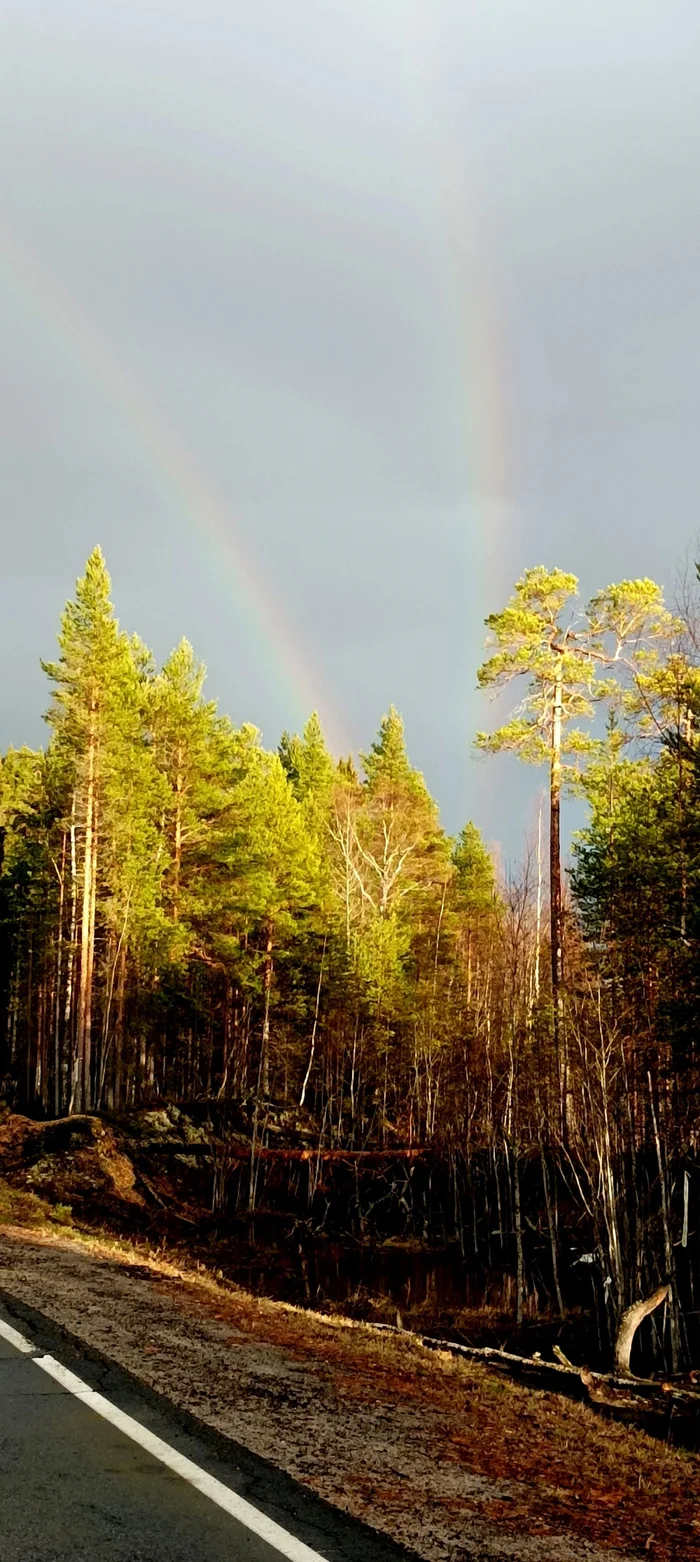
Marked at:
<point>398,297</point>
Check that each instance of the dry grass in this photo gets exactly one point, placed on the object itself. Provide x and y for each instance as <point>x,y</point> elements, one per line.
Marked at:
<point>20,1208</point>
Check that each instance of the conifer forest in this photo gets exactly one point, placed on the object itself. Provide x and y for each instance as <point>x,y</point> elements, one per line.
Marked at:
<point>289,946</point>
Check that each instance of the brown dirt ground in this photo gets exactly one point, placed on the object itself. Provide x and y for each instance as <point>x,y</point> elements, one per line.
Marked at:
<point>438,1452</point>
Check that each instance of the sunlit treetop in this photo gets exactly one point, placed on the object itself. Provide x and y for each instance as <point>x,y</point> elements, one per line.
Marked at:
<point>572,658</point>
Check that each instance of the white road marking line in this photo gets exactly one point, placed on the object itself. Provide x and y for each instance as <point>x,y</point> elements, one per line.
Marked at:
<point>13,1338</point>
<point>252,1518</point>
<point>239,1509</point>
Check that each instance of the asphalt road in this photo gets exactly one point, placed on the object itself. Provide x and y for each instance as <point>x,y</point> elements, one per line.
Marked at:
<point>75,1486</point>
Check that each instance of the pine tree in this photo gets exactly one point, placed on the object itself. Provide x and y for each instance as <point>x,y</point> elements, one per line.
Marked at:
<point>391,865</point>
<point>99,740</point>
<point>475,885</point>
<point>387,759</point>
<point>277,872</point>
<point>570,664</point>
<point>196,753</point>
<point>311,773</point>
<point>29,895</point>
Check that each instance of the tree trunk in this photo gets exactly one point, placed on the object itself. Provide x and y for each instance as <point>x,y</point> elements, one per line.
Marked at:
<point>118,1071</point>
<point>57,1094</point>
<point>552,1233</point>
<point>87,928</point>
<point>264,1071</point>
<point>555,869</point>
<point>89,1082</point>
<point>520,1256</point>
<point>177,852</point>
<point>68,1012</point>
<point>668,1238</point>
<point>538,913</point>
<point>314,1032</point>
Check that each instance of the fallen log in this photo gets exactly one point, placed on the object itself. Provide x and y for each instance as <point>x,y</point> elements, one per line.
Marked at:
<point>646,1397</point>
<point>242,1152</point>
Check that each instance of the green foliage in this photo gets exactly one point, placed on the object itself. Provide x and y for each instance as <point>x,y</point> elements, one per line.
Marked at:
<point>200,760</point>
<point>248,924</point>
<point>536,638</point>
<point>573,662</point>
<point>195,898</point>
<point>272,851</point>
<point>307,761</point>
<point>475,879</point>
<point>390,863</point>
<point>99,702</point>
<point>387,759</point>
<point>632,611</point>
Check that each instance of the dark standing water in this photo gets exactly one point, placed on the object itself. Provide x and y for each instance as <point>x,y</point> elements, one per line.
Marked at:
<point>435,1291</point>
<point>338,1272</point>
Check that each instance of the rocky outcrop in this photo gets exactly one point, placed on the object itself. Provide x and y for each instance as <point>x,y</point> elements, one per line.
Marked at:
<point>77,1161</point>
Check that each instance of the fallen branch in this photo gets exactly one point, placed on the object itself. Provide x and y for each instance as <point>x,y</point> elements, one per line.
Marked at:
<point>604,1388</point>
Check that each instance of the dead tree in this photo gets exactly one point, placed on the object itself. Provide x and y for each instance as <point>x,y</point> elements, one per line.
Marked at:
<point>629,1324</point>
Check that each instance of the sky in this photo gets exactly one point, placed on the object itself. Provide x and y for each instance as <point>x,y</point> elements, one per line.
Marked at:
<point>325,321</point>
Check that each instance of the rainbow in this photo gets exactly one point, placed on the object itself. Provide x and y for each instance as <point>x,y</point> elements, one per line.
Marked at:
<point>479,347</point>
<point>175,467</point>
<point>471,288</point>
<point>480,379</point>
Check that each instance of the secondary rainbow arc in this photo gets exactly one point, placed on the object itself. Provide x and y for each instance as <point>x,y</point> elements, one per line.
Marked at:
<point>173,466</point>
